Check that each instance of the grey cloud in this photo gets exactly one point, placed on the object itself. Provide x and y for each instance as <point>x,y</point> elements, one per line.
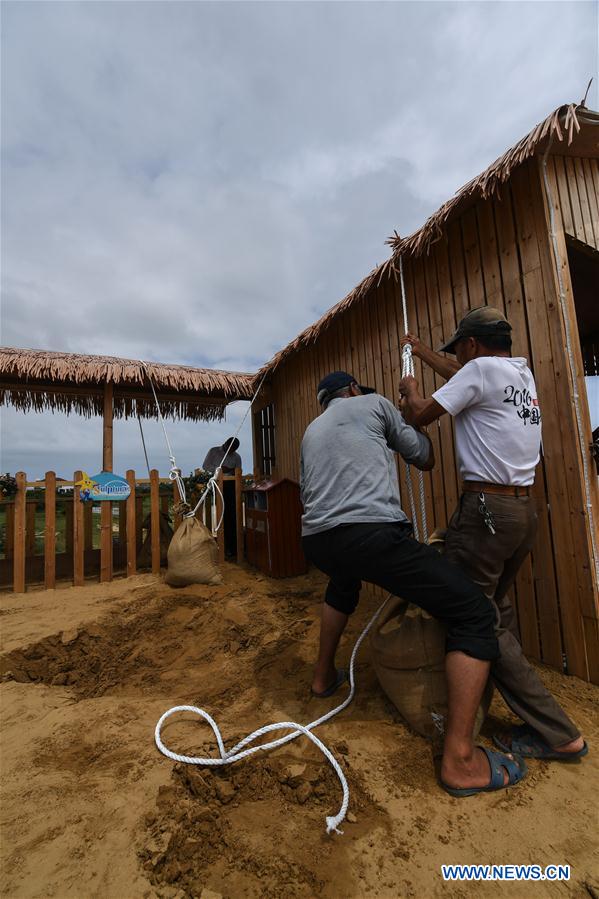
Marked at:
<point>197,182</point>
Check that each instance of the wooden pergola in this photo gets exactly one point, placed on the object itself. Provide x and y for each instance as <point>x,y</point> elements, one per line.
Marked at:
<point>42,380</point>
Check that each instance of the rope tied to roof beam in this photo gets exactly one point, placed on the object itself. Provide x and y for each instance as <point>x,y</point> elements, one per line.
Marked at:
<point>407,368</point>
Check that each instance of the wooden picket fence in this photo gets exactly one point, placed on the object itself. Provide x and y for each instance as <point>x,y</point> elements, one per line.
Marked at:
<point>121,535</point>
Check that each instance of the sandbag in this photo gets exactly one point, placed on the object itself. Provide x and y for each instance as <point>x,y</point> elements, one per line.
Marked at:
<point>192,556</point>
<point>408,652</point>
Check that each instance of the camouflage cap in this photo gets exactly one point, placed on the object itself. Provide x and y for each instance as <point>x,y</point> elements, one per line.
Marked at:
<point>482,322</point>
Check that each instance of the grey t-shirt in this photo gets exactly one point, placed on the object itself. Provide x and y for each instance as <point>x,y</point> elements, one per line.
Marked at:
<point>213,460</point>
<point>348,470</point>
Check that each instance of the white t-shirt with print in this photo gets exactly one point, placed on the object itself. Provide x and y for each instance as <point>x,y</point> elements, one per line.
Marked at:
<point>497,420</point>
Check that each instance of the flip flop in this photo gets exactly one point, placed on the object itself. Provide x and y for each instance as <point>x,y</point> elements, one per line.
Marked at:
<point>340,680</point>
<point>516,770</point>
<point>528,744</point>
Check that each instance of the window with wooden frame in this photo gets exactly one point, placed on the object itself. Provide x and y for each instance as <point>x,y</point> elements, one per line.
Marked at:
<point>264,432</point>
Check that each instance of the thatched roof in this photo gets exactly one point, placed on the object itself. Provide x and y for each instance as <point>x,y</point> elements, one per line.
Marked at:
<point>561,127</point>
<point>69,382</point>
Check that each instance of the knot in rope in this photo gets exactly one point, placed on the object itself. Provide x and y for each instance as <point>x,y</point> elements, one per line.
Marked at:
<point>407,361</point>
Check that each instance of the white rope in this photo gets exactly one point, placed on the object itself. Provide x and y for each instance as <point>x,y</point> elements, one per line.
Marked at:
<point>212,484</point>
<point>143,443</point>
<point>407,368</point>
<point>227,757</point>
<point>212,488</point>
<point>174,473</point>
<point>571,362</point>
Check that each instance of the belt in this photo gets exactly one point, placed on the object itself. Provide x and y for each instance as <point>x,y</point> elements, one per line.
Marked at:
<point>505,489</point>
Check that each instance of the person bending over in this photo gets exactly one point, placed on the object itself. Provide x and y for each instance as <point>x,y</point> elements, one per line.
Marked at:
<point>354,530</point>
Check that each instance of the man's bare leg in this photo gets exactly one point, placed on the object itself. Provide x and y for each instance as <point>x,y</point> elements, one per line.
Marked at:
<point>332,625</point>
<point>463,764</point>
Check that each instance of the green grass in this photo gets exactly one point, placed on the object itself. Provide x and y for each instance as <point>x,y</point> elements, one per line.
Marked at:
<point>61,523</point>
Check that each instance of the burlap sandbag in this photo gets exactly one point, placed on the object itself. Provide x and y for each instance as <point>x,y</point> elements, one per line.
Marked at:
<point>408,652</point>
<point>192,556</point>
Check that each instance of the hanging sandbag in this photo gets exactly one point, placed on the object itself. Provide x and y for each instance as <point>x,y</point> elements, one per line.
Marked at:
<point>408,653</point>
<point>192,556</point>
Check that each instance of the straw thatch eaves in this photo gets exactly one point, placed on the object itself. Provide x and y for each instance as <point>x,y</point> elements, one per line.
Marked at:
<point>560,128</point>
<point>41,380</point>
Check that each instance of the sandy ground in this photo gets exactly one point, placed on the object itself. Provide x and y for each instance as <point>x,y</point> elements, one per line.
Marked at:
<point>91,809</point>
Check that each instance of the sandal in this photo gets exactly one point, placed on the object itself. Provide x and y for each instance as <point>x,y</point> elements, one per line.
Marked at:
<point>529,744</point>
<point>516,770</point>
<point>340,680</point>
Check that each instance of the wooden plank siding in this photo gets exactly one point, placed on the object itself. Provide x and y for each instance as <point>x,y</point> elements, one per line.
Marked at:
<point>497,251</point>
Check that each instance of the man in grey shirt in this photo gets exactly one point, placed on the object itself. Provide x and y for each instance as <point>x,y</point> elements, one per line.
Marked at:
<point>214,457</point>
<point>354,529</point>
<point>232,460</point>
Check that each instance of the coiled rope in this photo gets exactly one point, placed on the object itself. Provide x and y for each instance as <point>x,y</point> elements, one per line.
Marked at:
<point>228,756</point>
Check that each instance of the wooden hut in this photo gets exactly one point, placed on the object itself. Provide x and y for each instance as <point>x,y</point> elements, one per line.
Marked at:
<point>524,236</point>
<point>41,380</point>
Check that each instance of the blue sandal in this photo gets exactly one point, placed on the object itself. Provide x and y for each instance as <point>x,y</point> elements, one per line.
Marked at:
<point>527,743</point>
<point>342,678</point>
<point>516,770</point>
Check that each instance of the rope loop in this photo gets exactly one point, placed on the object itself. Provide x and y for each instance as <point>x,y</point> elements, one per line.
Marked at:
<point>238,752</point>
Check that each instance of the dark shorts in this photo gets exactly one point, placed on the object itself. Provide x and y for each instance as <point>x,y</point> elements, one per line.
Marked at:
<point>387,555</point>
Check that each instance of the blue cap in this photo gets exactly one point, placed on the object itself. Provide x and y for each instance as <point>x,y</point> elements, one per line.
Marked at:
<point>335,381</point>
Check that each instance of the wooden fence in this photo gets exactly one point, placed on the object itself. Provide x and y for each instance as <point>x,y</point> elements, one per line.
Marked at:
<point>49,535</point>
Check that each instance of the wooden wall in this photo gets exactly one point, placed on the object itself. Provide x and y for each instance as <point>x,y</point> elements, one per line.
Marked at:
<point>497,252</point>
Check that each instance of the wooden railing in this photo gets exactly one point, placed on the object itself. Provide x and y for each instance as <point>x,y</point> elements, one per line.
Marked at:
<point>49,535</point>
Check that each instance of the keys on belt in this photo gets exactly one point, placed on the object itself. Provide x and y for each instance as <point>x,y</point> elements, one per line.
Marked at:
<point>486,513</point>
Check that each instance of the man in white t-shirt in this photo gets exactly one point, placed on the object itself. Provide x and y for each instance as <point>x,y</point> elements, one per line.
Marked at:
<point>493,399</point>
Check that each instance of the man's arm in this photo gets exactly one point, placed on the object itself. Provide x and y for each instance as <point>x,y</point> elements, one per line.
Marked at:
<point>417,411</point>
<point>402,437</point>
<point>209,463</point>
<point>443,365</point>
<point>430,462</point>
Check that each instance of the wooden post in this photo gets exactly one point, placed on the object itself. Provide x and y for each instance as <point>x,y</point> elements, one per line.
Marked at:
<point>220,539</point>
<point>68,526</point>
<point>88,526</point>
<point>105,541</point>
<point>106,507</point>
<point>239,513</point>
<point>30,529</point>
<point>139,519</point>
<point>50,531</point>
<point>19,547</point>
<point>78,535</point>
<point>155,520</point>
<point>9,544</point>
<point>107,428</point>
<point>122,522</point>
<point>131,526</point>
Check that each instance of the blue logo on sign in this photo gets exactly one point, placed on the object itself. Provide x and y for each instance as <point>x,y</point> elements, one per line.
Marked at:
<point>103,486</point>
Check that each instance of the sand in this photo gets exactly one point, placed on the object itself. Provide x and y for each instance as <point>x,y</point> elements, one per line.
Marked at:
<point>90,808</point>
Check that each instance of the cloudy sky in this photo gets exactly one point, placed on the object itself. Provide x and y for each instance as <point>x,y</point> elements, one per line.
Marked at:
<point>196,182</point>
